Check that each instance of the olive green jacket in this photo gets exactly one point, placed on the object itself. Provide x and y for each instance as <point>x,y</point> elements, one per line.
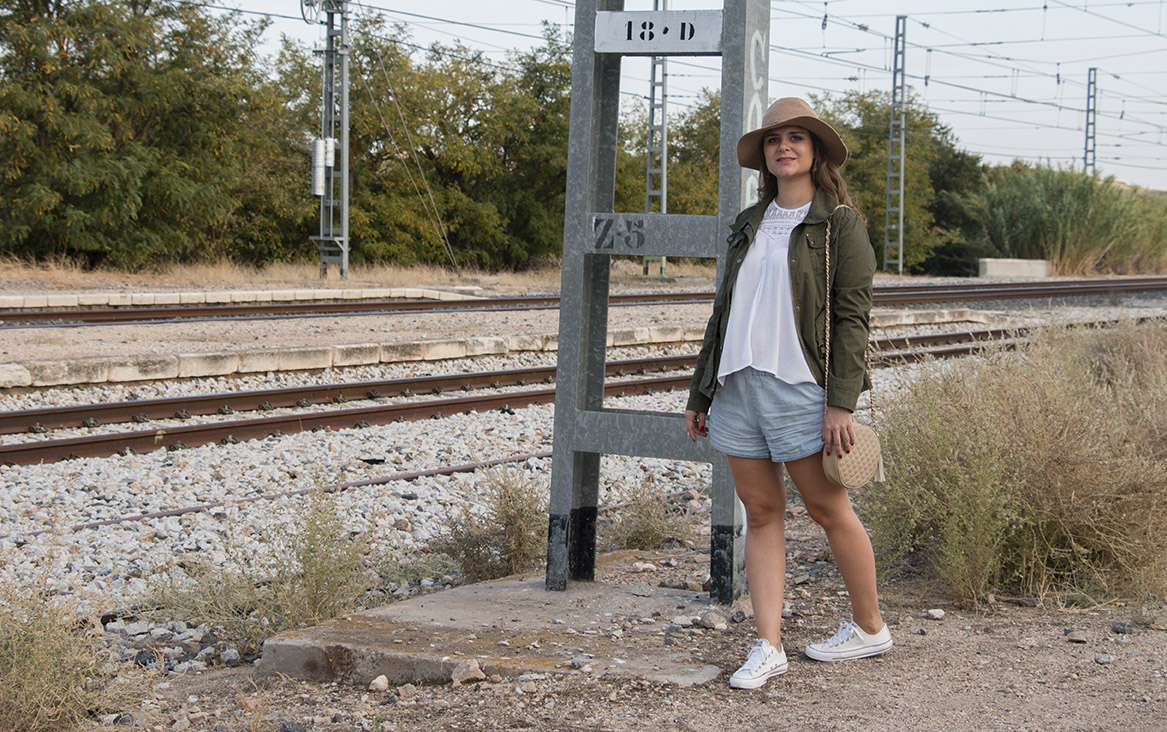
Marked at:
<point>852,269</point>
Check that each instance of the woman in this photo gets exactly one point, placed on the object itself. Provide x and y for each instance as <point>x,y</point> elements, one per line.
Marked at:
<point>763,354</point>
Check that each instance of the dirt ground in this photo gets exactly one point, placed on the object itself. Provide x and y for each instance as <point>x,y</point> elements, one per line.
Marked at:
<point>1004,666</point>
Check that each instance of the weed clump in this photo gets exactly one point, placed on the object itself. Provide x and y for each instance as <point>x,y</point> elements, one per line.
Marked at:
<point>647,521</point>
<point>308,573</point>
<point>1038,471</point>
<point>54,671</point>
<point>506,535</point>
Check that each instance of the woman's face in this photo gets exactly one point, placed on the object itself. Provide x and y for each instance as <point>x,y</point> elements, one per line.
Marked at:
<point>789,153</point>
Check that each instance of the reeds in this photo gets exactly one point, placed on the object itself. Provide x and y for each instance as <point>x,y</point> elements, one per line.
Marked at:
<point>1082,224</point>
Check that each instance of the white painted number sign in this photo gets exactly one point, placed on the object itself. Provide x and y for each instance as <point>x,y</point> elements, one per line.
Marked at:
<point>659,33</point>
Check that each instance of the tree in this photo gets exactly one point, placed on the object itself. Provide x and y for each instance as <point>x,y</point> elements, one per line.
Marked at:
<point>694,156</point>
<point>862,120</point>
<point>135,132</point>
<point>455,147</point>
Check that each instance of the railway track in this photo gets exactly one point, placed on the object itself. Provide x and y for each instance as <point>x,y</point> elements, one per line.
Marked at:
<point>883,296</point>
<point>887,351</point>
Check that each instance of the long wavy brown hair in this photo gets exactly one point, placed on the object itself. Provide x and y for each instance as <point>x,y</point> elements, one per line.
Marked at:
<point>825,174</point>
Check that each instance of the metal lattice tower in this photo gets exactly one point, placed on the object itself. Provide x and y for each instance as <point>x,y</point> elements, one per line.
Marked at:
<point>1091,119</point>
<point>656,155</point>
<point>331,181</point>
<point>893,227</point>
<point>586,430</point>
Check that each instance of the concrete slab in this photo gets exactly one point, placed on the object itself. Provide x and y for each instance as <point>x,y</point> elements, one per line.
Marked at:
<point>14,374</point>
<point>11,302</point>
<point>61,301</point>
<point>889,319</point>
<point>77,371</point>
<point>1027,268</point>
<point>193,365</point>
<point>251,362</point>
<point>142,368</point>
<point>357,354</point>
<point>308,357</point>
<point>511,627</point>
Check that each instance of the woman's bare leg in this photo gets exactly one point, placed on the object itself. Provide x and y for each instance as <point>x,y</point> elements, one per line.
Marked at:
<point>760,487</point>
<point>830,507</point>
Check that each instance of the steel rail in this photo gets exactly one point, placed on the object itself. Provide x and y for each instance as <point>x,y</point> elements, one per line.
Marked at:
<point>897,350</point>
<point>883,295</point>
<point>235,431</point>
<point>94,415</point>
<point>143,315</point>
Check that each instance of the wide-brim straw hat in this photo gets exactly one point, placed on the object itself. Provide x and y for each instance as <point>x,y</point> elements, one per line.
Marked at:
<point>789,111</point>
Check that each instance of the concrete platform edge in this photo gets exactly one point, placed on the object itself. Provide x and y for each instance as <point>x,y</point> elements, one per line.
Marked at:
<point>104,369</point>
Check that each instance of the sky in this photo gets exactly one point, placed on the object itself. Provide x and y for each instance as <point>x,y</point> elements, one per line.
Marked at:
<point>1010,78</point>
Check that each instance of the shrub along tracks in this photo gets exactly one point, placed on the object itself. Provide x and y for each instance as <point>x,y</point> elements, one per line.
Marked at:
<point>883,296</point>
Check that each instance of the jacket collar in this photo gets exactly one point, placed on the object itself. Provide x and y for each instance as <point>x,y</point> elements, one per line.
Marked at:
<point>748,221</point>
<point>821,207</point>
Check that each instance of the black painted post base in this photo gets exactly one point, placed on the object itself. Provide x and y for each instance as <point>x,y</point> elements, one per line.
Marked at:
<point>726,570</point>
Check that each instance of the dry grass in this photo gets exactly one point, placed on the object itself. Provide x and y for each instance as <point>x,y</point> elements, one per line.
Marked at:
<point>648,521</point>
<point>508,534</point>
<point>544,277</point>
<point>54,671</point>
<point>310,572</point>
<point>1034,472</point>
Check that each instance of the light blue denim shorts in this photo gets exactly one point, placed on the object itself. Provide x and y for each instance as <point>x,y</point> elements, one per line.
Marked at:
<point>757,415</point>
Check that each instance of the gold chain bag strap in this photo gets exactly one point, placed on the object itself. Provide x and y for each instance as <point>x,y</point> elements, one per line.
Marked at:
<point>865,461</point>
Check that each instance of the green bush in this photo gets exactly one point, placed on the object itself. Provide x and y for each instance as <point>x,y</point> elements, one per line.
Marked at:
<point>1038,471</point>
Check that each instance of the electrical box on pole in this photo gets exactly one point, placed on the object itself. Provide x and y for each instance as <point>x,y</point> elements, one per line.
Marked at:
<point>656,155</point>
<point>893,227</point>
<point>1091,119</point>
<point>330,180</point>
<point>585,429</point>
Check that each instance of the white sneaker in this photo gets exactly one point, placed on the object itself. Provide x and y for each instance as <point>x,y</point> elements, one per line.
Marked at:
<point>850,642</point>
<point>763,662</point>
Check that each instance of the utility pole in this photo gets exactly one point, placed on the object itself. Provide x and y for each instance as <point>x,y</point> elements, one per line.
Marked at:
<point>331,181</point>
<point>1091,119</point>
<point>656,173</point>
<point>893,251</point>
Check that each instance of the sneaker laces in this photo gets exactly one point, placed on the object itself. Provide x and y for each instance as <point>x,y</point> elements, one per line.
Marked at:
<point>756,658</point>
<point>847,631</point>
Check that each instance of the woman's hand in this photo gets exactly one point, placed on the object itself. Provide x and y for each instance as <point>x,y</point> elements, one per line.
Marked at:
<point>838,432</point>
<point>695,423</point>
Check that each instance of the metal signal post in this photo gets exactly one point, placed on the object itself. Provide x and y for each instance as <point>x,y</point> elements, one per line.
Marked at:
<point>1091,120</point>
<point>585,429</point>
<point>893,247</point>
<point>330,181</point>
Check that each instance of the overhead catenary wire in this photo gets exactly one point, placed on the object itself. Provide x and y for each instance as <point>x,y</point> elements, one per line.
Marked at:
<point>432,209</point>
<point>1129,98</point>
